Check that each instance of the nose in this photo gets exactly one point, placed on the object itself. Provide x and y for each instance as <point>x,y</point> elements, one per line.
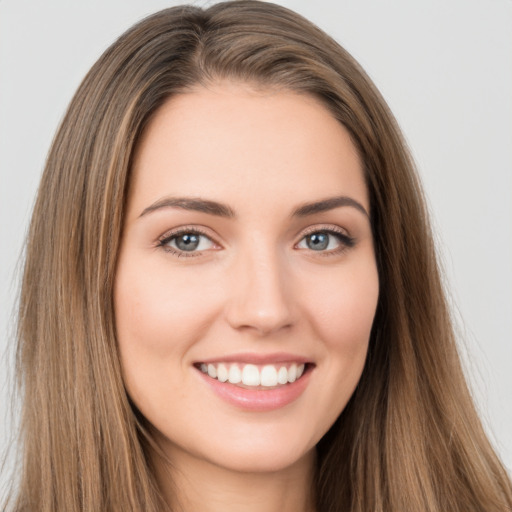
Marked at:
<point>261,299</point>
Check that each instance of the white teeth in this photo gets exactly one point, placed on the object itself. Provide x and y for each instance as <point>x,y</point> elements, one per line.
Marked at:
<point>222,373</point>
<point>235,375</point>
<point>251,375</point>
<point>268,376</point>
<point>292,373</point>
<point>282,375</point>
<point>212,371</point>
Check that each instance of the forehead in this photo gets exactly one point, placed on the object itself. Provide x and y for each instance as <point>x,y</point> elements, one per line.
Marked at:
<point>232,142</point>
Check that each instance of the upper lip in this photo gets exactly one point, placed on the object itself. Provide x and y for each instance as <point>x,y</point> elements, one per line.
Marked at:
<point>253,358</point>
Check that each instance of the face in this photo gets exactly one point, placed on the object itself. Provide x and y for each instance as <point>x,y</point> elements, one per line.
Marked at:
<point>246,284</point>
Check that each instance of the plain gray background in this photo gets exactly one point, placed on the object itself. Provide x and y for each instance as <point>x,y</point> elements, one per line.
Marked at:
<point>445,68</point>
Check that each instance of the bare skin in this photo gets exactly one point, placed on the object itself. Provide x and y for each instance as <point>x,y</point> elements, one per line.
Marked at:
<point>204,488</point>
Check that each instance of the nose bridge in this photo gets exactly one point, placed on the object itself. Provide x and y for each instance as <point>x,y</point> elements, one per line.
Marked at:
<point>260,296</point>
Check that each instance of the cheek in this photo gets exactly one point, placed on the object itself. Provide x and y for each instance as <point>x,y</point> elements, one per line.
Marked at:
<point>158,318</point>
<point>343,308</point>
<point>342,313</point>
<point>157,312</point>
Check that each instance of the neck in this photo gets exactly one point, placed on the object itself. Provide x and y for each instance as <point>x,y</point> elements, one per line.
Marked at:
<point>194,485</point>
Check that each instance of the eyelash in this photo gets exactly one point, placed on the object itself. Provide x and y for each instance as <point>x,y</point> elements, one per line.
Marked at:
<point>346,241</point>
<point>168,237</point>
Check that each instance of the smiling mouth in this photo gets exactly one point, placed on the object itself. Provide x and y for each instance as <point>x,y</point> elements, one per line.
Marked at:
<point>252,376</point>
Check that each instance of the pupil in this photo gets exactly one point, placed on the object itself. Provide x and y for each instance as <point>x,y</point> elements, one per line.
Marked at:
<point>318,241</point>
<point>187,242</point>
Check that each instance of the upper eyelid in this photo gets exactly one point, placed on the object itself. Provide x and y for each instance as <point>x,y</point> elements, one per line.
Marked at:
<point>332,228</point>
<point>199,230</point>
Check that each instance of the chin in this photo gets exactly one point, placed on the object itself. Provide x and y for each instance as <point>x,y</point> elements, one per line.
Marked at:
<point>253,461</point>
<point>252,451</point>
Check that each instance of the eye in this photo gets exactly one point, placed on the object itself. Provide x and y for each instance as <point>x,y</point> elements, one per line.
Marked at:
<point>326,241</point>
<point>186,243</point>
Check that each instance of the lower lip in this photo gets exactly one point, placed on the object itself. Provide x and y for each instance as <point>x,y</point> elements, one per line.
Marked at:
<point>259,400</point>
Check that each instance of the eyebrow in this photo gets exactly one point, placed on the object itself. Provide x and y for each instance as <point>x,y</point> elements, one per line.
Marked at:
<point>223,210</point>
<point>328,204</point>
<point>191,203</point>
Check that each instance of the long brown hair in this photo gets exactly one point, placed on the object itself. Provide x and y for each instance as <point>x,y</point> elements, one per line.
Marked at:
<point>409,439</point>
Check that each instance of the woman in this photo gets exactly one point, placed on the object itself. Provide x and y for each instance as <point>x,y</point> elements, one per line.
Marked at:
<point>231,297</point>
